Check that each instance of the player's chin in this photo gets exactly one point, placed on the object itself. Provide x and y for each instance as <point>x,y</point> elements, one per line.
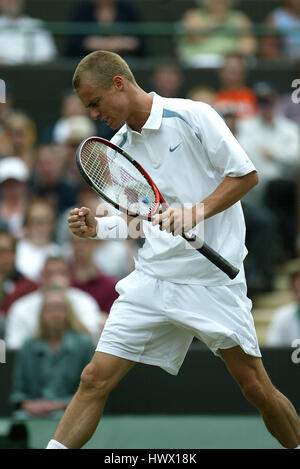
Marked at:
<point>114,124</point>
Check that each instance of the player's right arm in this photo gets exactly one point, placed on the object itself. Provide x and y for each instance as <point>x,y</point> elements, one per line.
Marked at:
<point>84,224</point>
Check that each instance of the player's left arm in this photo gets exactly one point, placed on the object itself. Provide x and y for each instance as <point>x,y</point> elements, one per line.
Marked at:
<point>231,190</point>
<point>229,160</point>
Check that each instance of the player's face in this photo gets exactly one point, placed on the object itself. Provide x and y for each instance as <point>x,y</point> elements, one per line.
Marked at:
<point>109,105</point>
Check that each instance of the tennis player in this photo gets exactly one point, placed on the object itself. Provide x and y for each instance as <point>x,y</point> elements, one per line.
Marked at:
<point>174,293</point>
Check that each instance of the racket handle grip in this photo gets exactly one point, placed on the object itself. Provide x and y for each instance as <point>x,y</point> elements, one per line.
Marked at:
<point>212,255</point>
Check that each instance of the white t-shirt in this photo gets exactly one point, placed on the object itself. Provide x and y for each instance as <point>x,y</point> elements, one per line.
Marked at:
<point>23,316</point>
<point>24,40</point>
<point>281,139</point>
<point>284,327</point>
<point>30,258</point>
<point>188,150</point>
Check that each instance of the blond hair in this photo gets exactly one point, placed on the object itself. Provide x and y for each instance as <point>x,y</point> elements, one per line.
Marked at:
<point>73,323</point>
<point>101,66</point>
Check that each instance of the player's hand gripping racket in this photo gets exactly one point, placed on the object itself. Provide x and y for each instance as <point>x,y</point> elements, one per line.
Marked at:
<point>123,183</point>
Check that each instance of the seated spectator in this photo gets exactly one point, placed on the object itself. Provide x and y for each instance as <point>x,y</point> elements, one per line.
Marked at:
<point>285,324</point>
<point>273,143</point>
<point>48,367</point>
<point>105,13</point>
<point>23,316</point>
<point>13,284</point>
<point>19,137</point>
<point>203,93</point>
<point>63,234</point>
<point>286,21</point>
<point>87,276</point>
<point>14,194</point>
<point>37,243</point>
<point>167,80</point>
<point>233,91</point>
<point>77,129</point>
<point>261,234</point>
<point>213,30</point>
<point>48,179</point>
<point>23,39</point>
<point>71,106</point>
<point>116,258</point>
<point>269,48</point>
<point>112,258</point>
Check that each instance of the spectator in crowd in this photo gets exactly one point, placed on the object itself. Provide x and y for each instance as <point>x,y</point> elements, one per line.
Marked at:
<point>87,276</point>
<point>23,316</point>
<point>14,191</point>
<point>112,258</point>
<point>13,285</point>
<point>105,13</point>
<point>116,258</point>
<point>77,129</point>
<point>87,196</point>
<point>167,80</point>
<point>48,178</point>
<point>286,21</point>
<point>269,48</point>
<point>284,327</point>
<point>71,106</point>
<point>208,38</point>
<point>19,137</point>
<point>273,143</point>
<point>48,367</point>
<point>261,234</point>
<point>23,39</point>
<point>203,93</point>
<point>37,244</point>
<point>233,90</point>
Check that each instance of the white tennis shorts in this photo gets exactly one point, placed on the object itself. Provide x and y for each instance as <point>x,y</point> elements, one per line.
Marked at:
<point>154,321</point>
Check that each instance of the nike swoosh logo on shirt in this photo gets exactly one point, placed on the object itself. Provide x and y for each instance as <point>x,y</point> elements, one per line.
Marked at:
<point>111,227</point>
<point>174,148</point>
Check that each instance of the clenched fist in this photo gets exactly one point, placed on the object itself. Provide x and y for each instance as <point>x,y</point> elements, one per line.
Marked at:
<point>82,222</point>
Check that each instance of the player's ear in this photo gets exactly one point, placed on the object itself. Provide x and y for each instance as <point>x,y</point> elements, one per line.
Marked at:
<point>118,82</point>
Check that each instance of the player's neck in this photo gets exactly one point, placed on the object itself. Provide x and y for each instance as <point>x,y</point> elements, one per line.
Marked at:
<point>141,104</point>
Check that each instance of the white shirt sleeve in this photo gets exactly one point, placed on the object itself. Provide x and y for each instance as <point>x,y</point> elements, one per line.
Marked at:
<point>223,150</point>
<point>44,47</point>
<point>22,320</point>
<point>283,327</point>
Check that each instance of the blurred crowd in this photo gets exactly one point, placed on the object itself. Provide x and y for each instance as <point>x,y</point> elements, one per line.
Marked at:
<point>206,30</point>
<point>56,290</point>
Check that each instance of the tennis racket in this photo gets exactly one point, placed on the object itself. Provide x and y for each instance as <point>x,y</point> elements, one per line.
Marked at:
<point>122,182</point>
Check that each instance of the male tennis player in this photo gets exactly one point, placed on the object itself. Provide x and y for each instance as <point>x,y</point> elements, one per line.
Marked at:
<point>174,293</point>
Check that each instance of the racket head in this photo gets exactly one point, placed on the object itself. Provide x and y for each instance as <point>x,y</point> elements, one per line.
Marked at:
<point>118,178</point>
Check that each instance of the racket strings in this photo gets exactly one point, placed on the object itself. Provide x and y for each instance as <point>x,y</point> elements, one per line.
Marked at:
<point>117,178</point>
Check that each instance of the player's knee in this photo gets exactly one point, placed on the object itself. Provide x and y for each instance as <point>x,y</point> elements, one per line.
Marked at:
<point>255,392</point>
<point>94,382</point>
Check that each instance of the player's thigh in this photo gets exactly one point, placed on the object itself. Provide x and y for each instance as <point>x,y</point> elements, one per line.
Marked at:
<point>247,370</point>
<point>105,371</point>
